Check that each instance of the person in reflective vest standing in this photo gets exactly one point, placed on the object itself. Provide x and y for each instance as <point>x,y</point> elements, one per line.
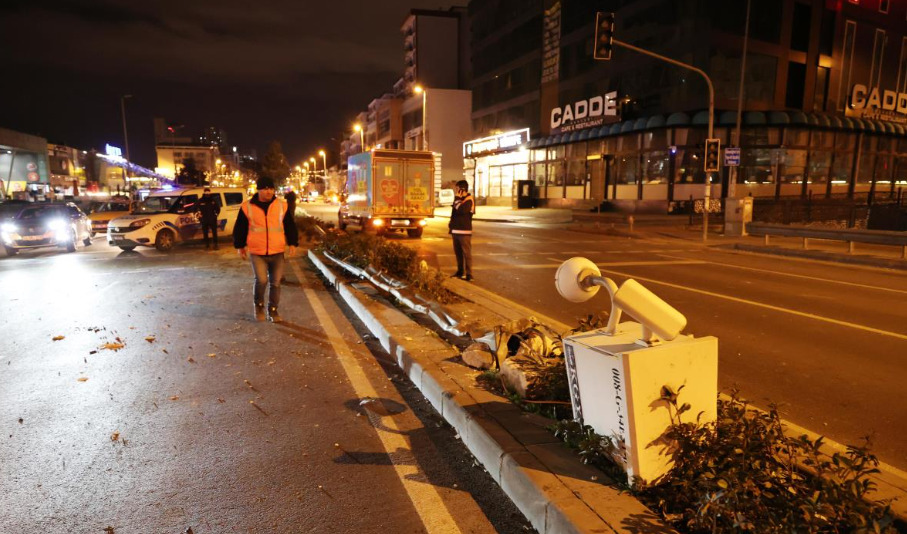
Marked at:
<point>460,227</point>
<point>264,229</point>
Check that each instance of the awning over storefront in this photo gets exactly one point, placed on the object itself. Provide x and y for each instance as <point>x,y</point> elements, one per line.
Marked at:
<point>726,119</point>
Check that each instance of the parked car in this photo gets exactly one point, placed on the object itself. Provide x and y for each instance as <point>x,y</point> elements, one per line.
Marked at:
<point>45,225</point>
<point>167,217</point>
<point>444,197</point>
<point>104,212</point>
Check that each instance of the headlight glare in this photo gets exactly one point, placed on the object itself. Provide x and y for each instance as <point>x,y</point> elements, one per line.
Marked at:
<point>139,223</point>
<point>8,227</point>
<point>56,224</point>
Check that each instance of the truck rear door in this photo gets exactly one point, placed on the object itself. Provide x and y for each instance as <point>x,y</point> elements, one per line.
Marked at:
<point>388,187</point>
<point>418,183</point>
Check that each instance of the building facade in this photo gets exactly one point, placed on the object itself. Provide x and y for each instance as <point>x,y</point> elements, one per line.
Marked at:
<point>823,110</point>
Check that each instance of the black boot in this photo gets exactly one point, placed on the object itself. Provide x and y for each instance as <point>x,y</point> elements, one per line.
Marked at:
<point>273,316</point>
<point>259,312</point>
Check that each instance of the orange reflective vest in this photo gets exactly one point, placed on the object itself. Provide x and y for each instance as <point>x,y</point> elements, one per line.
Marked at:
<point>266,229</point>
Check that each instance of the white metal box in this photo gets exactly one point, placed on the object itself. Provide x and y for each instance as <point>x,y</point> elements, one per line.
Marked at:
<point>616,384</point>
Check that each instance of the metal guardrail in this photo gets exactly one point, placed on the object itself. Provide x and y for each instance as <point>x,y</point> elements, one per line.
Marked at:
<point>849,235</point>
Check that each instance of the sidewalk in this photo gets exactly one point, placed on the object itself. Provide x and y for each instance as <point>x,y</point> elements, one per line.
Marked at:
<point>661,226</point>
<point>546,480</point>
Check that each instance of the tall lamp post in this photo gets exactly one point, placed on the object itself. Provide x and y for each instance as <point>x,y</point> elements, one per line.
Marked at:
<point>419,90</point>
<point>123,113</point>
<point>358,128</point>
<point>324,163</point>
<point>314,167</point>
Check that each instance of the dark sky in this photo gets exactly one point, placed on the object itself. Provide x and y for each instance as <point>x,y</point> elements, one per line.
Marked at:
<point>295,71</point>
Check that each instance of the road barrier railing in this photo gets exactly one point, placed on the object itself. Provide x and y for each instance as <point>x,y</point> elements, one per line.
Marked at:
<point>850,235</point>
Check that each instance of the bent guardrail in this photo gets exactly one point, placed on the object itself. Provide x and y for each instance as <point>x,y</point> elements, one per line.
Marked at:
<point>850,235</point>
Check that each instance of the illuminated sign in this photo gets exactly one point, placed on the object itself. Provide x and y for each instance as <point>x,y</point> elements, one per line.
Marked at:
<point>497,143</point>
<point>866,103</point>
<point>584,113</point>
<point>111,150</point>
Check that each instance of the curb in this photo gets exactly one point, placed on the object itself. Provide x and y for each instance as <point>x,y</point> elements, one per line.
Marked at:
<point>546,481</point>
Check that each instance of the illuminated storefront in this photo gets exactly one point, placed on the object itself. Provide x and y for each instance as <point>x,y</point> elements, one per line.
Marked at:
<point>24,166</point>
<point>493,164</point>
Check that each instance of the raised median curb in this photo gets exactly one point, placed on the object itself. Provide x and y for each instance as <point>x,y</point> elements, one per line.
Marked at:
<point>546,481</point>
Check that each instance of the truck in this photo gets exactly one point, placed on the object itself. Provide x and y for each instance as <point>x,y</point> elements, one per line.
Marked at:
<point>389,190</point>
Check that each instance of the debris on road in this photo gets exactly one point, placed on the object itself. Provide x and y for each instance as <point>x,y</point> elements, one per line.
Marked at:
<point>58,338</point>
<point>82,379</point>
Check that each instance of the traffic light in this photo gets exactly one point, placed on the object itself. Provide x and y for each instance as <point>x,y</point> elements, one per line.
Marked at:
<point>712,155</point>
<point>604,35</point>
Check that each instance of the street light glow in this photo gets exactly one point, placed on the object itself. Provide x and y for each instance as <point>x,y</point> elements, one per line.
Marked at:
<point>418,89</point>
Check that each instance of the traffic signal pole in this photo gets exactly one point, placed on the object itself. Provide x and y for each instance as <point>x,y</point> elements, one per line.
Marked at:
<point>708,81</point>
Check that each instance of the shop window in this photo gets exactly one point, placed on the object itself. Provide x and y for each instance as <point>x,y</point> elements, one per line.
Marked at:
<point>556,172</point>
<point>539,174</point>
<point>627,169</point>
<point>840,169</point>
<point>655,167</point>
<point>845,141</point>
<point>822,139</point>
<point>576,172</point>
<point>556,152</point>
<point>756,166</point>
<point>655,139</point>
<point>819,164</point>
<point>867,168</point>
<point>794,169</point>
<point>539,154</point>
<point>796,137</point>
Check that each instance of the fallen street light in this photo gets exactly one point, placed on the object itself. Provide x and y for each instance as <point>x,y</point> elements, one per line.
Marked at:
<point>621,377</point>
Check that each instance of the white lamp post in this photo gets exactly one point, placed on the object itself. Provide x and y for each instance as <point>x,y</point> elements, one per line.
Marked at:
<point>419,90</point>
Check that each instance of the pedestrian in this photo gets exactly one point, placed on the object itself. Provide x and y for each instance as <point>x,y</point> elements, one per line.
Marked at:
<point>264,229</point>
<point>208,209</point>
<point>460,226</point>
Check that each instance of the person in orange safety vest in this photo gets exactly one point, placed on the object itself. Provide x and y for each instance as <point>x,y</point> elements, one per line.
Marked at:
<point>264,230</point>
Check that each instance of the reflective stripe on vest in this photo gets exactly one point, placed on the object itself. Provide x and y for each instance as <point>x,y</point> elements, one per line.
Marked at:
<point>266,229</point>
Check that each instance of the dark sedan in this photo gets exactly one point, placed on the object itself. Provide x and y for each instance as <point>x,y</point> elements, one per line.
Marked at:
<point>45,225</point>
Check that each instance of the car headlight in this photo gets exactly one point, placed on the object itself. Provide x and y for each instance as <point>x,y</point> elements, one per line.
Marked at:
<point>8,227</point>
<point>139,223</point>
<point>56,224</point>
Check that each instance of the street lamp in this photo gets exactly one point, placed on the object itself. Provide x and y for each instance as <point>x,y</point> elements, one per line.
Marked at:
<point>123,112</point>
<point>324,163</point>
<point>419,90</point>
<point>314,166</point>
<point>358,128</point>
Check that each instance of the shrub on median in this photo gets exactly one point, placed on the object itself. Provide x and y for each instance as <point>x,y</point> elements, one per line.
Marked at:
<point>742,473</point>
<point>398,261</point>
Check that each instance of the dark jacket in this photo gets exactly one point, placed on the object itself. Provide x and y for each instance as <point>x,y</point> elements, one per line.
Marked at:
<point>464,207</point>
<point>241,228</point>
<point>208,209</point>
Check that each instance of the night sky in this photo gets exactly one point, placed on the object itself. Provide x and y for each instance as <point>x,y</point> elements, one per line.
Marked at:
<point>295,71</point>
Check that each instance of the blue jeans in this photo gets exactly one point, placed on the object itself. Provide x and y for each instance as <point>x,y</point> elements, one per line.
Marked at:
<point>268,271</point>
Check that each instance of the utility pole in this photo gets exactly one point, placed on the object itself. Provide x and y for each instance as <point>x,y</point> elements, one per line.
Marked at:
<point>732,184</point>
<point>708,81</point>
<point>125,135</point>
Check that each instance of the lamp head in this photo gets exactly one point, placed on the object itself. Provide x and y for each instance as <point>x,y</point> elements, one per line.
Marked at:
<point>569,279</point>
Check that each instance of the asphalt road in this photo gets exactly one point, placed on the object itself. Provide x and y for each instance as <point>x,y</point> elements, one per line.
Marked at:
<point>138,396</point>
<point>826,342</point>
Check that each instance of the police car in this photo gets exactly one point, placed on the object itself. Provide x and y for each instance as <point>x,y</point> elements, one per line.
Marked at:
<point>167,217</point>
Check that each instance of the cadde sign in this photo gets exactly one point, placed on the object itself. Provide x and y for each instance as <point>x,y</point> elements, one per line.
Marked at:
<point>587,113</point>
<point>866,103</point>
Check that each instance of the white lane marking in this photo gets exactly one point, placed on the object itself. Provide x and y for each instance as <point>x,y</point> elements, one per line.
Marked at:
<point>634,263</point>
<point>792,275</point>
<point>424,496</point>
<point>766,306</point>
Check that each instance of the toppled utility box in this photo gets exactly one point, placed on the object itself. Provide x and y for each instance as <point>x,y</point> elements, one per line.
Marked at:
<point>616,386</point>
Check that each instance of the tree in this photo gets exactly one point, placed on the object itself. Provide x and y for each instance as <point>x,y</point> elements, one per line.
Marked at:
<point>190,174</point>
<point>274,164</point>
